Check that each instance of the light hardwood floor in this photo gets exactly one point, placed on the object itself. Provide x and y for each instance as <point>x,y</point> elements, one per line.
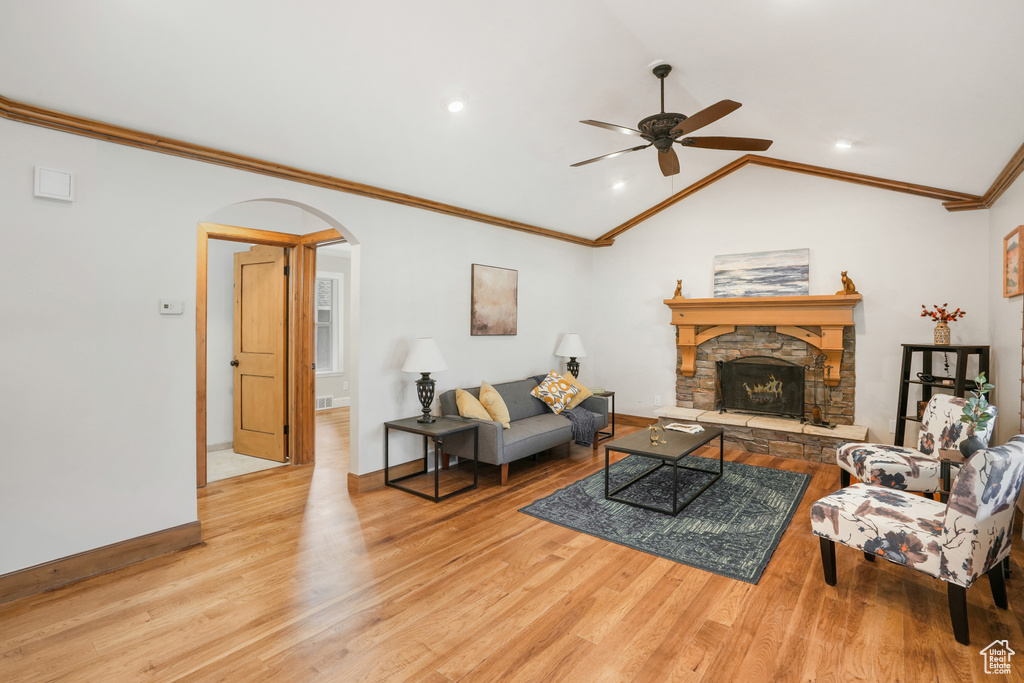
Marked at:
<point>299,581</point>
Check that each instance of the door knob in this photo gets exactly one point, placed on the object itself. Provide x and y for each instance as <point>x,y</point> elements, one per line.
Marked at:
<point>234,362</point>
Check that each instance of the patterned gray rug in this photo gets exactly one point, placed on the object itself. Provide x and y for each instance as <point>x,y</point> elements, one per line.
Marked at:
<point>731,529</point>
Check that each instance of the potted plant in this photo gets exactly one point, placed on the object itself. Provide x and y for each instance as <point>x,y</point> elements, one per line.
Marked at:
<point>976,416</point>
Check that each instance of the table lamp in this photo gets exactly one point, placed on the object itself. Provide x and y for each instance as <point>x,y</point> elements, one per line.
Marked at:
<point>425,358</point>
<point>571,348</point>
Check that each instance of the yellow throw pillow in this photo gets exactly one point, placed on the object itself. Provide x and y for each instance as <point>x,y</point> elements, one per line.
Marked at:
<point>494,404</point>
<point>469,406</point>
<point>555,391</point>
<point>580,397</point>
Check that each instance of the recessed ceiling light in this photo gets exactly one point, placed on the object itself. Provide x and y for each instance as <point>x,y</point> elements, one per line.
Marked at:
<point>844,144</point>
<point>619,185</point>
<point>456,105</point>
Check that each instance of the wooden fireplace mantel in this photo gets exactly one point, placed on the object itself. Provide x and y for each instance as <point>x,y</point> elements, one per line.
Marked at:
<point>699,320</point>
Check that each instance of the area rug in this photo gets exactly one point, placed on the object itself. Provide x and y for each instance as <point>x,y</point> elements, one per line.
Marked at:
<point>731,529</point>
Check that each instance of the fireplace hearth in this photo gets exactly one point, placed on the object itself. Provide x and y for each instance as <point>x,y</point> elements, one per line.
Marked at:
<point>761,385</point>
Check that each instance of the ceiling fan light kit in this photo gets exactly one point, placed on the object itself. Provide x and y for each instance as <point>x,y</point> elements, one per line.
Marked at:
<point>665,129</point>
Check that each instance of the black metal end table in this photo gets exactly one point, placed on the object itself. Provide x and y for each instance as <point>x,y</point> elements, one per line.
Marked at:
<point>601,436</point>
<point>437,430</point>
<point>677,446</point>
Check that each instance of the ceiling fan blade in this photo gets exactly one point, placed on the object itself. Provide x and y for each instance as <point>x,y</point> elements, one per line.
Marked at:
<point>738,144</point>
<point>612,126</point>
<point>669,162</point>
<point>705,116</point>
<point>609,156</point>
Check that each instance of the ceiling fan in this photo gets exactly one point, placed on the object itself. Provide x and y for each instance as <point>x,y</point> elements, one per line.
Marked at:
<point>664,129</point>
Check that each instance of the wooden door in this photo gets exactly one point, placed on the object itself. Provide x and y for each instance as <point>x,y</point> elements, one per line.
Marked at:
<point>260,348</point>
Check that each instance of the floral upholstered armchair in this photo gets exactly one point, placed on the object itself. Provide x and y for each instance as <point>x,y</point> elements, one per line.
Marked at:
<point>907,469</point>
<point>956,542</point>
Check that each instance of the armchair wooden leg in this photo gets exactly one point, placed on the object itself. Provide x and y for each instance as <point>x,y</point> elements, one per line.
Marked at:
<point>958,612</point>
<point>444,460</point>
<point>998,583</point>
<point>504,474</point>
<point>870,557</point>
<point>844,478</point>
<point>1006,566</point>
<point>828,560</point>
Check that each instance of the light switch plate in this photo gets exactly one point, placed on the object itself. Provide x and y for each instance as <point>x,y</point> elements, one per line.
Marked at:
<point>172,306</point>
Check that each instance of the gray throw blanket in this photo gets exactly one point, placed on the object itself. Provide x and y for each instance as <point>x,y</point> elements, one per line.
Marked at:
<point>584,422</point>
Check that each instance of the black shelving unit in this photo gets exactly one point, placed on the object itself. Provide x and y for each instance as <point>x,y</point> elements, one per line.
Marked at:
<point>960,382</point>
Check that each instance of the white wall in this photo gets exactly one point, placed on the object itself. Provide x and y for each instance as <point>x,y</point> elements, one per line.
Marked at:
<point>901,252</point>
<point>79,310</point>
<point>1006,315</point>
<point>79,305</point>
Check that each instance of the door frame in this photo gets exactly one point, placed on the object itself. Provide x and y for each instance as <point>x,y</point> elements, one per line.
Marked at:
<point>301,382</point>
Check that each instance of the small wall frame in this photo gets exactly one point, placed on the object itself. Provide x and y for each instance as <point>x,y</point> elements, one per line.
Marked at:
<point>1013,256</point>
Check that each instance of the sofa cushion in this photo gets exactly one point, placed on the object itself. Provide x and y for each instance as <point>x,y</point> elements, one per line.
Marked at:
<point>516,395</point>
<point>495,406</point>
<point>555,391</point>
<point>520,403</point>
<point>534,434</point>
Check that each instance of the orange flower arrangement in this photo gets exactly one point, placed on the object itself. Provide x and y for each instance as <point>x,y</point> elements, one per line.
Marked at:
<point>941,314</point>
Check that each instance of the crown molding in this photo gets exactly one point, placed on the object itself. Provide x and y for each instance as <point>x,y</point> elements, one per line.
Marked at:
<point>68,123</point>
<point>949,196</point>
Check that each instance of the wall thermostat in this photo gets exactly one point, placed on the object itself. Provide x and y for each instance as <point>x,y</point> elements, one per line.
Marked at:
<point>172,306</point>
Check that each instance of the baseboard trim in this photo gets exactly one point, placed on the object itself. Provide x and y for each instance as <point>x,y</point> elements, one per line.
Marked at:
<point>361,483</point>
<point>635,420</point>
<point>57,573</point>
<point>214,447</point>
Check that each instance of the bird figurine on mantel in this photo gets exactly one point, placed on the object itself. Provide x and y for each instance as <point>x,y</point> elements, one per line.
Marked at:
<point>848,286</point>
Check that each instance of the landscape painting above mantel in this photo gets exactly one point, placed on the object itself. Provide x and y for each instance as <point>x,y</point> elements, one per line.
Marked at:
<point>763,273</point>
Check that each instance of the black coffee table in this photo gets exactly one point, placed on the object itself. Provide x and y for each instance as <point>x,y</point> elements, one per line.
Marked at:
<point>677,446</point>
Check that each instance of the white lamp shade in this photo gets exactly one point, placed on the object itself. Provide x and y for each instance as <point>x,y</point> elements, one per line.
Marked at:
<point>571,347</point>
<point>424,357</point>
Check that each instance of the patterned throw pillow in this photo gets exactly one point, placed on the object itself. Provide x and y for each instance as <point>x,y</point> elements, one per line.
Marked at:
<point>494,404</point>
<point>469,406</point>
<point>555,391</point>
<point>580,397</point>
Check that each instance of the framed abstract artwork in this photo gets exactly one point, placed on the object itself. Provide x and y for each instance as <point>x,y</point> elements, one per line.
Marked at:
<point>1012,257</point>
<point>494,306</point>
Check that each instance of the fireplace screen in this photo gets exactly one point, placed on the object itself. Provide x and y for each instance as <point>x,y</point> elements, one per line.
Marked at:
<point>761,384</point>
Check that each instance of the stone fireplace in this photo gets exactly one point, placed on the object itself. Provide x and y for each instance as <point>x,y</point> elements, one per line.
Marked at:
<point>794,332</point>
<point>701,390</point>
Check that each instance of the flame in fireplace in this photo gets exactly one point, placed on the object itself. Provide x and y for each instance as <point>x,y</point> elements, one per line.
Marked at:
<point>765,393</point>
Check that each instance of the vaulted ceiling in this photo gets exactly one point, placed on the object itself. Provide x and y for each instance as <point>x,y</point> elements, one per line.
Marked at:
<point>930,91</point>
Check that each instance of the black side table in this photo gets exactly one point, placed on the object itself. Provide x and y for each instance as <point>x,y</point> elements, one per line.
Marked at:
<point>601,436</point>
<point>437,430</point>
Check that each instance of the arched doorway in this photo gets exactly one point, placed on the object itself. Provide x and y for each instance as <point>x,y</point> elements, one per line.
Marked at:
<point>248,222</point>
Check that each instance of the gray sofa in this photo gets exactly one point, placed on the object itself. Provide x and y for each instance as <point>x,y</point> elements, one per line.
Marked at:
<point>534,427</point>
